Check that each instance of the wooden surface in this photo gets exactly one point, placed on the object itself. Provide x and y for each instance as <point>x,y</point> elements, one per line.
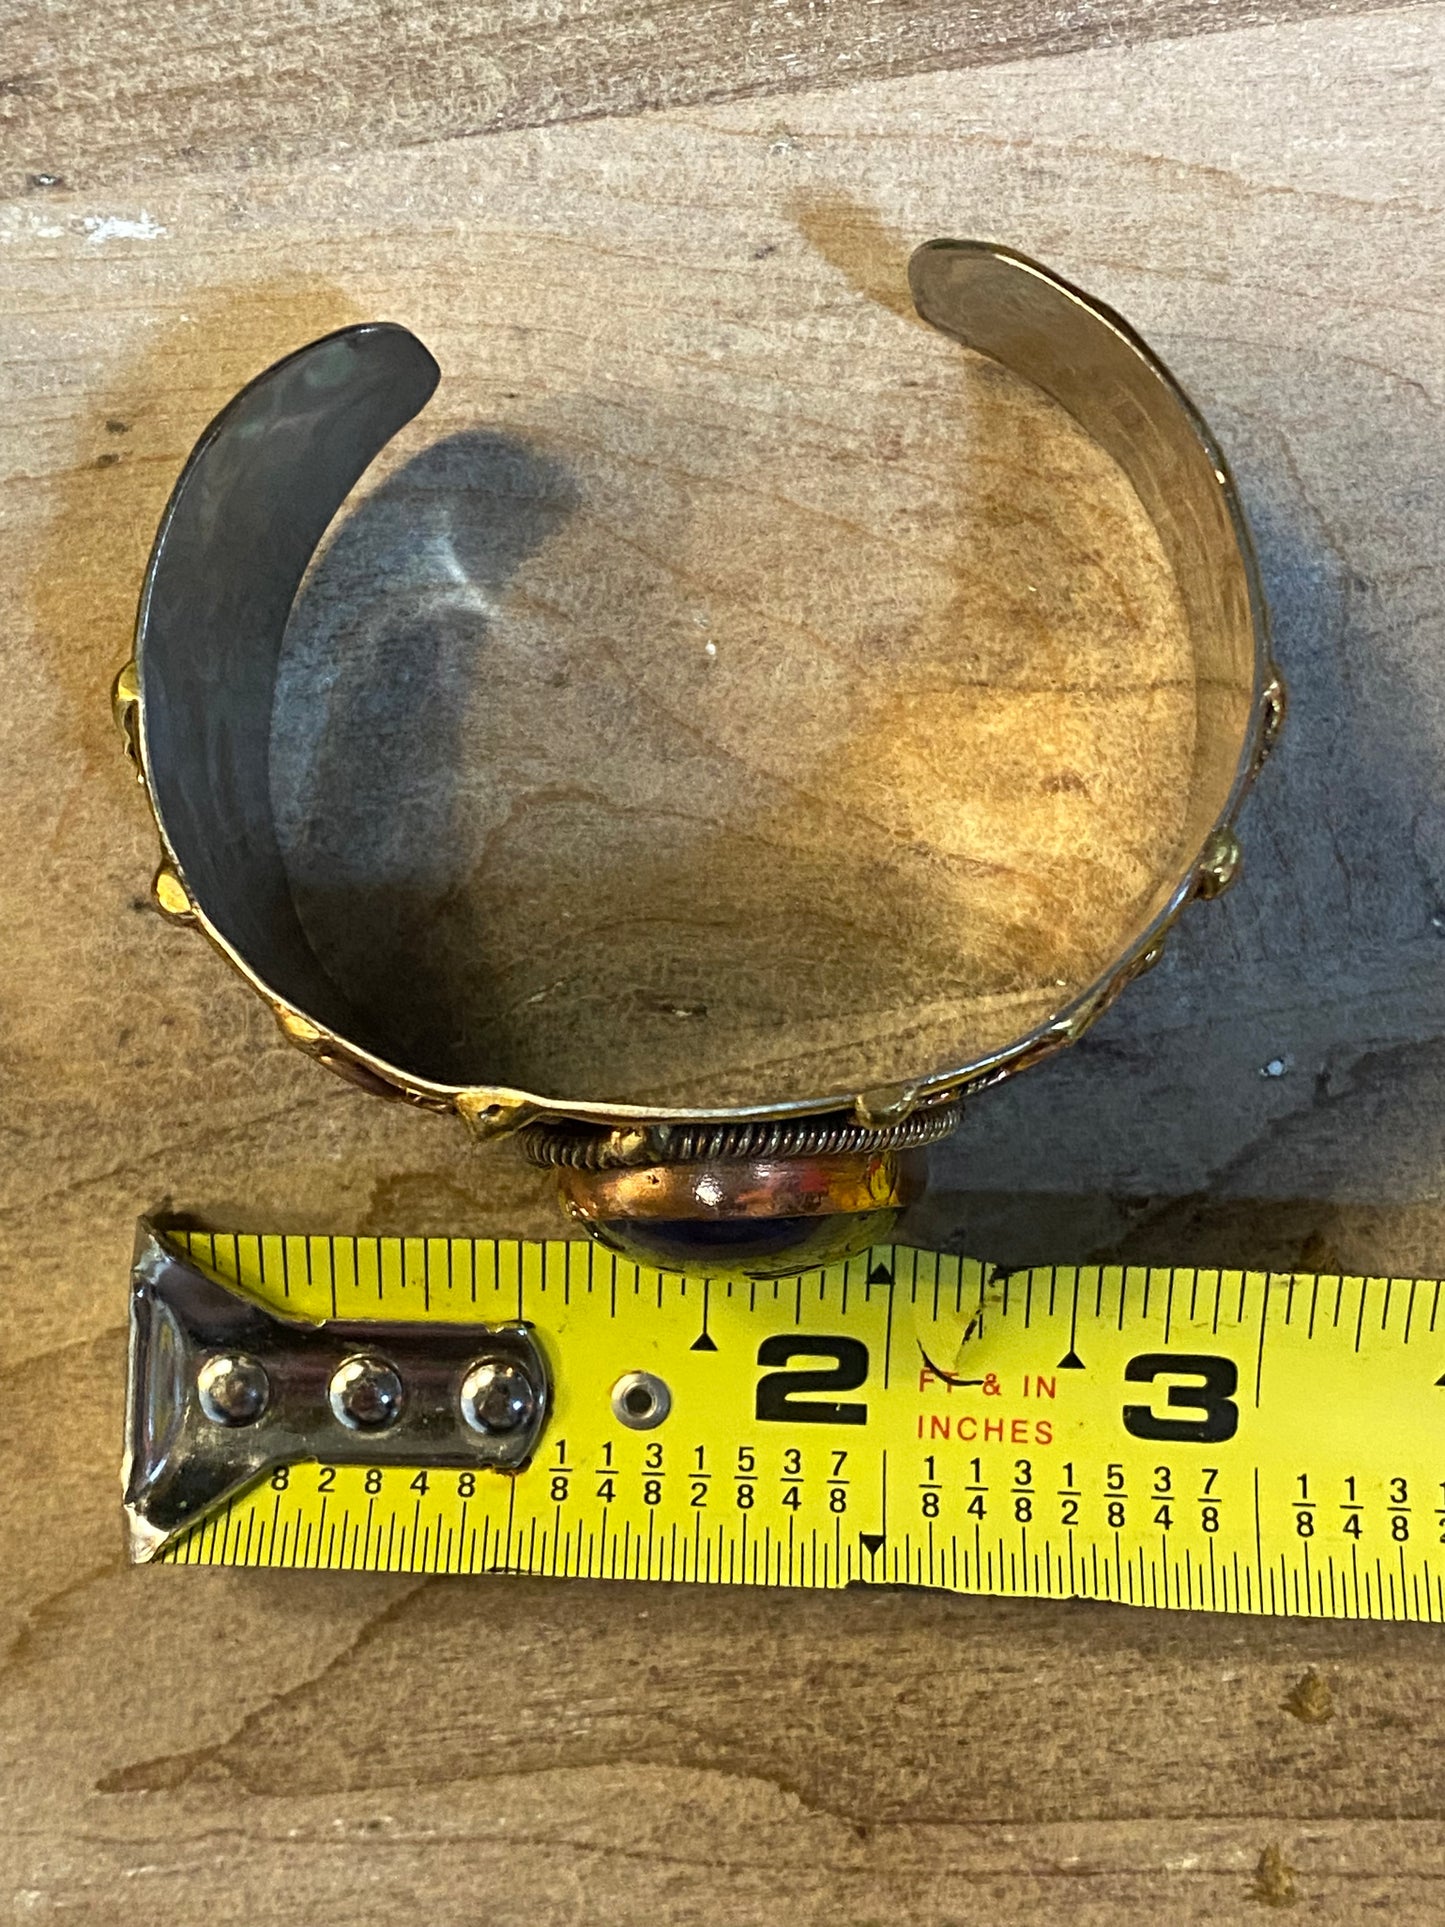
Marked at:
<point>117,92</point>
<point>1264,203</point>
<point>595,783</point>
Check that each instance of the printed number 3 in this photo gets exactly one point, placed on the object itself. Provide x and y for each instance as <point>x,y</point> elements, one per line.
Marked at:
<point>1214,1414</point>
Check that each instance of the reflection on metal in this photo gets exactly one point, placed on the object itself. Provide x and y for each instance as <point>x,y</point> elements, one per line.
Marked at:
<point>760,1216</point>
<point>234,1388</point>
<point>366,1394</point>
<point>498,1399</point>
<point>221,1392</point>
<point>1220,863</point>
<point>763,1197</point>
<point>641,1401</point>
<point>269,475</point>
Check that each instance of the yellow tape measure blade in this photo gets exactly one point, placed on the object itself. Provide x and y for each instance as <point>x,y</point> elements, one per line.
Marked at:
<point>1239,1441</point>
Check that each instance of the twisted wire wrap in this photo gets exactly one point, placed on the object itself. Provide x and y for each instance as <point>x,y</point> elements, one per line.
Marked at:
<point>581,1148</point>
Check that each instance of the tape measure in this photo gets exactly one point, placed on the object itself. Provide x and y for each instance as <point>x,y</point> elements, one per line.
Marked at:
<point>1240,1441</point>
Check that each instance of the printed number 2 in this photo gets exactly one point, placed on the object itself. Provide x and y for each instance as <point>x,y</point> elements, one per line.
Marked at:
<point>1216,1416</point>
<point>778,1392</point>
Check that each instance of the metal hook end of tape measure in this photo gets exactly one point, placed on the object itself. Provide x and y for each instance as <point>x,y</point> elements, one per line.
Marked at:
<point>221,1391</point>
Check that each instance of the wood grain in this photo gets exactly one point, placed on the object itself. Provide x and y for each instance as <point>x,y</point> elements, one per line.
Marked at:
<point>126,90</point>
<point>205,1747</point>
<point>552,677</point>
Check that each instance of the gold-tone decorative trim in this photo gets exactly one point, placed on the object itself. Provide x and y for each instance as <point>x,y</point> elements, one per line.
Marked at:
<point>985,296</point>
